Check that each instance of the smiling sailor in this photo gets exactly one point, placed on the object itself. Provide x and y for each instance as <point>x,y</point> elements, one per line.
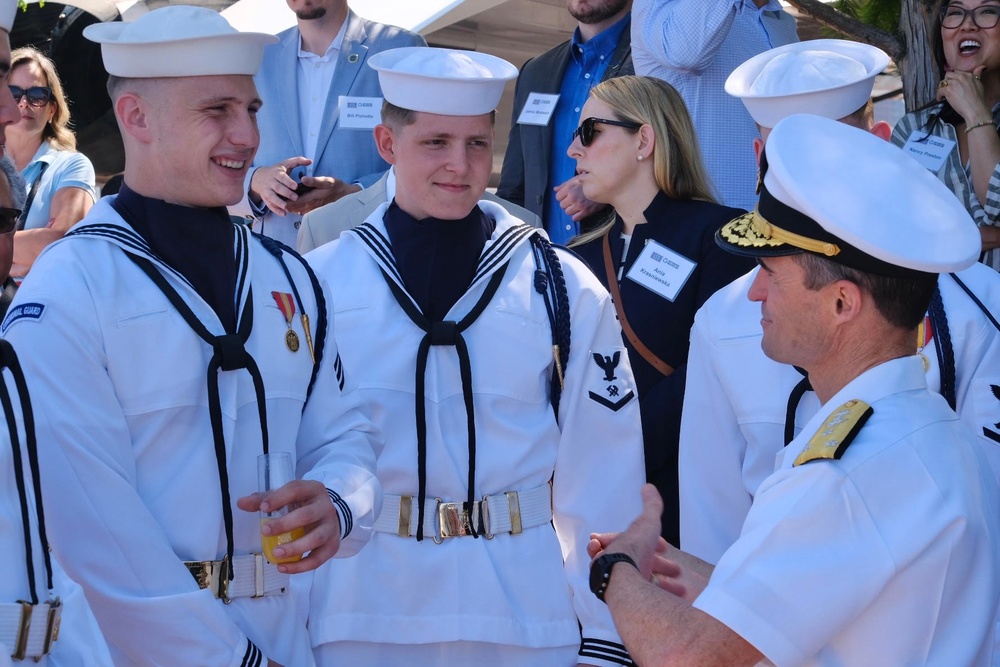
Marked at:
<point>168,347</point>
<point>509,434</point>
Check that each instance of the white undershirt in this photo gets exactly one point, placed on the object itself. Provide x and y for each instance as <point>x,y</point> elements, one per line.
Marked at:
<point>315,73</point>
<point>626,240</point>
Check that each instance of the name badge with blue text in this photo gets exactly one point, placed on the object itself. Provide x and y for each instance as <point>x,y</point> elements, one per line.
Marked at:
<point>929,150</point>
<point>661,270</point>
<point>359,113</point>
<point>538,109</point>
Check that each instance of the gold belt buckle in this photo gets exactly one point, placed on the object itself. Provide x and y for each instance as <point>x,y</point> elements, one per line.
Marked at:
<point>23,628</point>
<point>52,629</point>
<point>453,520</point>
<point>212,575</point>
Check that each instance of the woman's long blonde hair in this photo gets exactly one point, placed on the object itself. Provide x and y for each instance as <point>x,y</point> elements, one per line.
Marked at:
<point>677,165</point>
<point>56,131</point>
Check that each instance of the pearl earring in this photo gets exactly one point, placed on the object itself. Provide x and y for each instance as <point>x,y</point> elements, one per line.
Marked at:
<point>639,158</point>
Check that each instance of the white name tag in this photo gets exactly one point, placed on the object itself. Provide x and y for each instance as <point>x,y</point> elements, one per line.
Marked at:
<point>359,113</point>
<point>538,109</point>
<point>930,151</point>
<point>661,270</point>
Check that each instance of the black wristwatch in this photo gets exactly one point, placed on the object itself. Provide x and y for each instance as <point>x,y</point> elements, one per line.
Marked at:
<point>600,572</point>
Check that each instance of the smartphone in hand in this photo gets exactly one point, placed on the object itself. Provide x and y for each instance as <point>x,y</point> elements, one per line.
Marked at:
<point>297,175</point>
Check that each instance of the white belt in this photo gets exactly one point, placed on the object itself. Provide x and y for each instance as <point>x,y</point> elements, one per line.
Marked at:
<point>29,630</point>
<point>509,512</point>
<point>253,577</point>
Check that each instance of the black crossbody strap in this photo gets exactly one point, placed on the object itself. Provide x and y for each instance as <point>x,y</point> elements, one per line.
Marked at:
<point>23,219</point>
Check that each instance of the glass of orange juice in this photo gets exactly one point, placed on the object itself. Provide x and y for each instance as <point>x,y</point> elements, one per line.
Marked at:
<point>274,470</point>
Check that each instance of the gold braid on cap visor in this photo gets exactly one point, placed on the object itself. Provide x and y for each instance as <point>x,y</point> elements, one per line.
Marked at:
<point>741,232</point>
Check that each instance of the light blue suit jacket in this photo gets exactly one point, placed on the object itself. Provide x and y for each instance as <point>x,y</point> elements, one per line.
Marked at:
<point>346,154</point>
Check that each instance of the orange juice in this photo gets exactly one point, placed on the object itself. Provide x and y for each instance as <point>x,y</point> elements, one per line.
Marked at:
<point>269,542</point>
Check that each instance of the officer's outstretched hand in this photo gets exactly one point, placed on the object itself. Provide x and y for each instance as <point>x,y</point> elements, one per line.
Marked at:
<point>274,185</point>
<point>323,190</point>
<point>313,511</point>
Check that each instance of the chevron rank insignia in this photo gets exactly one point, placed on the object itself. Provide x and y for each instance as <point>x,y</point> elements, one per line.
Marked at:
<point>836,433</point>
<point>607,388</point>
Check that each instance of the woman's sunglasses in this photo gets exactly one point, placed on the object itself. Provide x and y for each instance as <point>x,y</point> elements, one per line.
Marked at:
<point>37,96</point>
<point>8,219</point>
<point>586,129</point>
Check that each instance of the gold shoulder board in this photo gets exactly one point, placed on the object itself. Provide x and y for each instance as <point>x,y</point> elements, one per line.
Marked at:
<point>836,433</point>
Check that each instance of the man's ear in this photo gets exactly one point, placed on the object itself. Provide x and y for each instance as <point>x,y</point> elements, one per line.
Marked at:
<point>758,148</point>
<point>850,300</point>
<point>385,142</point>
<point>882,130</point>
<point>131,110</point>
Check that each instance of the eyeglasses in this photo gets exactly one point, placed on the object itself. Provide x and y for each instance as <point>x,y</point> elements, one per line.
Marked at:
<point>586,129</point>
<point>37,96</point>
<point>983,16</point>
<point>8,219</point>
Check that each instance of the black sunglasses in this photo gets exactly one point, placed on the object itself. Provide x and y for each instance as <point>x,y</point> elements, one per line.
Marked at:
<point>37,96</point>
<point>586,129</point>
<point>8,219</point>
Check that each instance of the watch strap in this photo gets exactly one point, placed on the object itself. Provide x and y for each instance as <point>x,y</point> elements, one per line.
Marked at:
<point>600,572</point>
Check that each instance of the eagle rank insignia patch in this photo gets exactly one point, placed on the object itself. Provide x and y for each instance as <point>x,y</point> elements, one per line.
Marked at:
<point>836,433</point>
<point>606,387</point>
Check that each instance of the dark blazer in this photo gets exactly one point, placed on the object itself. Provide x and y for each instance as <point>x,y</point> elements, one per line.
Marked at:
<point>524,177</point>
<point>687,228</point>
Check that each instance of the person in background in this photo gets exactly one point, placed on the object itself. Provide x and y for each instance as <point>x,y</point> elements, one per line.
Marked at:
<point>694,45</point>
<point>536,172</point>
<point>60,180</point>
<point>310,80</point>
<point>956,136</point>
<point>636,150</point>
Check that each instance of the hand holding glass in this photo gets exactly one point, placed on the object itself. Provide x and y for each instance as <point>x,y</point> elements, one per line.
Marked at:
<point>273,472</point>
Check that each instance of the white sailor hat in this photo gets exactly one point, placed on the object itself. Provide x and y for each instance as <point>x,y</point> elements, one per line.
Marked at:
<point>442,81</point>
<point>826,77</point>
<point>843,193</point>
<point>175,41</point>
<point>8,9</point>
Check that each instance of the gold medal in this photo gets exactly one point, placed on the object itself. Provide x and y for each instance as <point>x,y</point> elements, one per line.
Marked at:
<point>287,306</point>
<point>292,340</point>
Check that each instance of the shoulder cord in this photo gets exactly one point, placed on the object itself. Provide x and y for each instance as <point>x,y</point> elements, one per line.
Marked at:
<point>444,333</point>
<point>551,284</point>
<point>8,359</point>
<point>229,354</point>
<point>943,346</point>
<point>616,298</point>
<point>278,249</point>
<point>23,218</point>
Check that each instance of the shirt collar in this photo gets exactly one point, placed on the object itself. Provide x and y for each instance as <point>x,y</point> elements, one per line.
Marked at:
<point>331,51</point>
<point>606,41</point>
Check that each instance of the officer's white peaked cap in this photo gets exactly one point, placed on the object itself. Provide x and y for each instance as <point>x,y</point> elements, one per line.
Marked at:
<point>176,41</point>
<point>8,10</point>
<point>442,81</point>
<point>832,78</point>
<point>841,192</point>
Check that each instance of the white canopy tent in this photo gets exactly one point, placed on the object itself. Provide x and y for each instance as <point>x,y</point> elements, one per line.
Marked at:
<point>423,16</point>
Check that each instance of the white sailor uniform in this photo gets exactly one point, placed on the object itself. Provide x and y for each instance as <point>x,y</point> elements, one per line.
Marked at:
<point>523,590</point>
<point>61,630</point>
<point>131,478</point>
<point>736,398</point>
<point>906,518</point>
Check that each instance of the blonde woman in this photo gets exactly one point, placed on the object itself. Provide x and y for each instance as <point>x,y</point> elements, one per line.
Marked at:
<point>636,150</point>
<point>60,181</point>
